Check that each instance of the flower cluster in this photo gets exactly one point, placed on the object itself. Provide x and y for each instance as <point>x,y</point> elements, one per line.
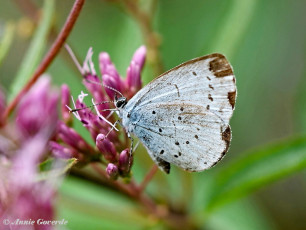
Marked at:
<point>35,133</point>
<point>100,123</point>
<point>23,145</point>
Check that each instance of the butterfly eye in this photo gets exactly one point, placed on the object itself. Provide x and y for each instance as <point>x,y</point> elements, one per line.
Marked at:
<point>121,102</point>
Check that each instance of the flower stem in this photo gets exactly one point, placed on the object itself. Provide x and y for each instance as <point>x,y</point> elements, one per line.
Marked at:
<point>162,212</point>
<point>129,189</point>
<point>49,57</point>
<point>148,178</point>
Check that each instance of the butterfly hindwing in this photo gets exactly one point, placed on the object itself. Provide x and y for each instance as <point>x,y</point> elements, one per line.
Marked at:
<point>189,136</point>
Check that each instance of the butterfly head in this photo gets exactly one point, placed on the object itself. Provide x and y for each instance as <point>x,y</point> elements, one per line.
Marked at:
<point>120,102</point>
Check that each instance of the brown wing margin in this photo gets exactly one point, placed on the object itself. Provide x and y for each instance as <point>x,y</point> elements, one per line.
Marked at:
<point>219,66</point>
<point>219,58</point>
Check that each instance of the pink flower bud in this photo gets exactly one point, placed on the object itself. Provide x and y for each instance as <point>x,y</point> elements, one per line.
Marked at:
<point>112,171</point>
<point>125,162</point>
<point>140,56</point>
<point>65,101</point>
<point>133,79</point>
<point>2,104</point>
<point>38,109</point>
<point>106,147</point>
<point>60,151</point>
<point>94,85</point>
<point>110,81</point>
<point>72,138</point>
<point>107,67</point>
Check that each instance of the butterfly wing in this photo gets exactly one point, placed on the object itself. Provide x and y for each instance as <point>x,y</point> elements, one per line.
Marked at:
<point>191,104</point>
<point>188,136</point>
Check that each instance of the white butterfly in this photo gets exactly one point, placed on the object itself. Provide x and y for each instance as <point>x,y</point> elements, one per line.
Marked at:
<point>182,117</point>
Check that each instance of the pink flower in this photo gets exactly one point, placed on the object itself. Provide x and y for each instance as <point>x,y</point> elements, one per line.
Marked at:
<point>2,103</point>
<point>21,195</point>
<point>97,117</point>
<point>37,110</point>
<point>23,147</point>
<point>65,93</point>
<point>133,80</point>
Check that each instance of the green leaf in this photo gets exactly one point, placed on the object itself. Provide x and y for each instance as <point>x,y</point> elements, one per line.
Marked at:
<point>300,106</point>
<point>55,167</point>
<point>257,169</point>
<point>6,40</point>
<point>88,206</point>
<point>35,50</point>
<point>240,215</point>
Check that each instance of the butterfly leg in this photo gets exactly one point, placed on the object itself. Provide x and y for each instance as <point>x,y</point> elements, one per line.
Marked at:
<point>136,146</point>
<point>132,143</point>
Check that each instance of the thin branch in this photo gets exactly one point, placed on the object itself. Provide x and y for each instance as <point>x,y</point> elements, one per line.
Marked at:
<point>130,190</point>
<point>145,21</point>
<point>53,51</point>
<point>121,187</point>
<point>148,178</point>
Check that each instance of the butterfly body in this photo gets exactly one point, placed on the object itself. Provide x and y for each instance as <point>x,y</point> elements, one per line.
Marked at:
<point>182,117</point>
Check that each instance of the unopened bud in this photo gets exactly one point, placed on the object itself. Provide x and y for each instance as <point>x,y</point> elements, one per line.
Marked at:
<point>125,162</point>
<point>65,93</point>
<point>106,147</point>
<point>112,171</point>
<point>60,151</point>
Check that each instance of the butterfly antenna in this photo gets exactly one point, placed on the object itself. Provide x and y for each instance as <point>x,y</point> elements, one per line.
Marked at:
<point>106,86</point>
<point>87,107</point>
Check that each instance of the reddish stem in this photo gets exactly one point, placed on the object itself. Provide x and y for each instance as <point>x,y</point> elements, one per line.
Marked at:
<point>148,178</point>
<point>53,51</point>
<point>130,189</point>
<point>116,184</point>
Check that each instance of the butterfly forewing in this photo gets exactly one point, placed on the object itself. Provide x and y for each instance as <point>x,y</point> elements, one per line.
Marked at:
<point>182,117</point>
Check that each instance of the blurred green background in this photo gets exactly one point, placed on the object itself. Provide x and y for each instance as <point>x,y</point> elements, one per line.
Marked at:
<point>265,43</point>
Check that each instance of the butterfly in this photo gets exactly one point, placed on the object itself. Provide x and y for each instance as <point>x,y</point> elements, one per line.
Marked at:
<point>182,117</point>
